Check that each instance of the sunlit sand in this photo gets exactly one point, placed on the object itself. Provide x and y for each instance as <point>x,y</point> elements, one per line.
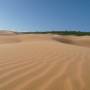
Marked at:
<point>44,62</point>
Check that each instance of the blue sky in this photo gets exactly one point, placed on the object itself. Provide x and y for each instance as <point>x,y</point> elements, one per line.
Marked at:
<point>41,15</point>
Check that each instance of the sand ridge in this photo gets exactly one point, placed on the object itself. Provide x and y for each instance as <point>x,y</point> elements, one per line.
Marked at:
<point>44,62</point>
<point>74,40</point>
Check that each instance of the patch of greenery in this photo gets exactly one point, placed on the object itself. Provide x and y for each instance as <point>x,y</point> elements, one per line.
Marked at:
<point>77,33</point>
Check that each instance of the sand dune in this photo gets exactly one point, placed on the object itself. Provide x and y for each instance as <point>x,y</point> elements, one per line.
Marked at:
<point>74,40</point>
<point>6,32</point>
<point>8,37</point>
<point>44,62</point>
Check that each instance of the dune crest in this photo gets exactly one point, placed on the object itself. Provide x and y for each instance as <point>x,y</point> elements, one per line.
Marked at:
<point>6,32</point>
<point>74,40</point>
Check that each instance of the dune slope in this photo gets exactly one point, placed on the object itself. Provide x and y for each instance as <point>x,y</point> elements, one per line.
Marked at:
<point>38,62</point>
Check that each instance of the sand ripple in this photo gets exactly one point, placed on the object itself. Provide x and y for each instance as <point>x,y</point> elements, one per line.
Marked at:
<point>41,63</point>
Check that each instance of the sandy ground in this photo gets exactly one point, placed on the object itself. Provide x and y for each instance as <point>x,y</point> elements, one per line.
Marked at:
<point>44,62</point>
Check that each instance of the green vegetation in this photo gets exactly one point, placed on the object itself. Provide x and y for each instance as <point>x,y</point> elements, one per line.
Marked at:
<point>77,33</point>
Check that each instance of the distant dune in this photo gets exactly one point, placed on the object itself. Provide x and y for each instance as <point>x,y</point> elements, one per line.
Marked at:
<point>5,32</point>
<point>44,62</point>
<point>74,40</point>
<point>8,37</point>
